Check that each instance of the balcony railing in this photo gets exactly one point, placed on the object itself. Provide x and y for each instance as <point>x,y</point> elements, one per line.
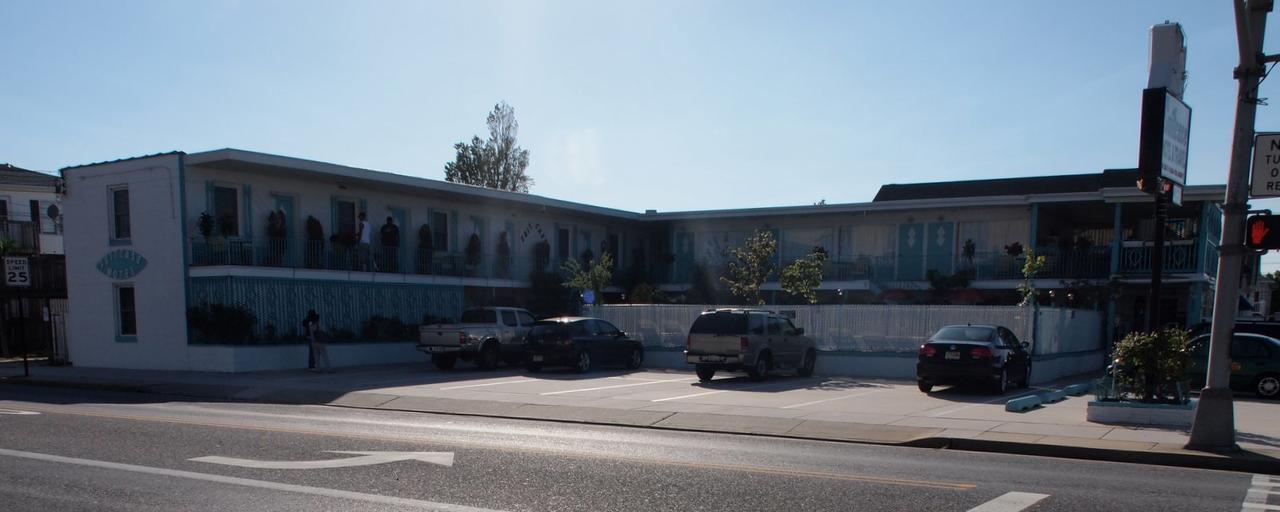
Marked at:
<point>330,256</point>
<point>1178,258</point>
<point>25,236</point>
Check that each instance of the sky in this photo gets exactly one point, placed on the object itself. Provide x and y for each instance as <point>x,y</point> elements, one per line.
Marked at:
<point>666,105</point>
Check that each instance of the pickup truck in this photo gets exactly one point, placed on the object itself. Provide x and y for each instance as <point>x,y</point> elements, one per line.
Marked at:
<point>484,335</point>
<point>754,340</point>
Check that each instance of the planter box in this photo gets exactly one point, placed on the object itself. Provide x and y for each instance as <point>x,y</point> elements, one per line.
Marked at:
<point>1137,413</point>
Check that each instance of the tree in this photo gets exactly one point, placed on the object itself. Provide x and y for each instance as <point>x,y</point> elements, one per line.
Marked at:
<point>494,163</point>
<point>593,275</point>
<point>1032,267</point>
<point>803,276</point>
<point>752,263</point>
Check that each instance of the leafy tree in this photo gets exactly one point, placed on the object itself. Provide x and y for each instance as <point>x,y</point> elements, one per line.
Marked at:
<point>7,245</point>
<point>803,276</point>
<point>494,163</point>
<point>751,265</point>
<point>594,275</point>
<point>1032,267</point>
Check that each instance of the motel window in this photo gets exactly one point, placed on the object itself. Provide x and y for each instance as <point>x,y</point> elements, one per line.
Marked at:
<point>226,209</point>
<point>127,311</point>
<point>120,227</point>
<point>440,231</point>
<point>562,244</point>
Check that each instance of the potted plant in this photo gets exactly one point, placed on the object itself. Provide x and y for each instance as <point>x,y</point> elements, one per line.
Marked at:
<point>473,253</point>
<point>1147,381</point>
<point>315,242</point>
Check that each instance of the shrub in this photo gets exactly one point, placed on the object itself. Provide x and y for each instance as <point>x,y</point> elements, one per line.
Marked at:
<point>219,323</point>
<point>379,327</point>
<point>1150,366</point>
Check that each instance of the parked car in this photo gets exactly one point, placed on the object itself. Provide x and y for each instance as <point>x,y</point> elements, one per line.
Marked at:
<point>754,340</point>
<point>1255,363</point>
<point>484,335</point>
<point>980,354</point>
<point>580,343</point>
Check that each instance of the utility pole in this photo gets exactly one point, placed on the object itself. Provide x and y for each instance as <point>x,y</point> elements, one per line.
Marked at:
<point>1214,426</point>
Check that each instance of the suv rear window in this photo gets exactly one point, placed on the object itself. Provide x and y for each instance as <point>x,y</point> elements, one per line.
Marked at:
<point>479,316</point>
<point>964,333</point>
<point>720,323</point>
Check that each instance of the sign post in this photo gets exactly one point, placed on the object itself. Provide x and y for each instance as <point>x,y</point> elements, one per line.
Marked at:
<point>17,273</point>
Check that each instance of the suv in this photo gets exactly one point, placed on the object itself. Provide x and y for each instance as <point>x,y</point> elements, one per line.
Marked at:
<point>754,340</point>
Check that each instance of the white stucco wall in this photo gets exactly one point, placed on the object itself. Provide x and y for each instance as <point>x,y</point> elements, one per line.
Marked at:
<point>155,217</point>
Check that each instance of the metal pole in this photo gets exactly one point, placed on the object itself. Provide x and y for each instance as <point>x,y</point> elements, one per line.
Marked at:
<point>1213,428</point>
<point>1157,262</point>
<point>22,326</point>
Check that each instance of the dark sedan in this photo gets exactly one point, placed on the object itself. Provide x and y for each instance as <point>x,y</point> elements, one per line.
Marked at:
<point>580,343</point>
<point>979,354</point>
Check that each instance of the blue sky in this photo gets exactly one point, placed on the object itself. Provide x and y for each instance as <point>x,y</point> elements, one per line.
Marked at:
<point>665,105</point>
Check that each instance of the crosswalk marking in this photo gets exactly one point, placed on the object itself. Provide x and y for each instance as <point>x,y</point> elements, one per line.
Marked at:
<point>1259,489</point>
<point>1010,502</point>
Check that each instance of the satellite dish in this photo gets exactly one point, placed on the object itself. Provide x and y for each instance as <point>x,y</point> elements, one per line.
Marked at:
<point>52,211</point>
<point>589,297</point>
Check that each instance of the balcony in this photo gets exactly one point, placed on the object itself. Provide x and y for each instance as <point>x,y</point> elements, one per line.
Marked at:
<point>1180,257</point>
<point>25,236</point>
<point>274,253</point>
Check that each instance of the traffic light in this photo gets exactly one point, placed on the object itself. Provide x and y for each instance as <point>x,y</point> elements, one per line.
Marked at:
<point>1262,232</point>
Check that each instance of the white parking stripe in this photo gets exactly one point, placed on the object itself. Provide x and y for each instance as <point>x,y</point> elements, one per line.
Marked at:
<point>245,482</point>
<point>646,383</point>
<point>1010,502</point>
<point>823,401</point>
<point>1259,506</point>
<point>487,384</point>
<point>704,393</point>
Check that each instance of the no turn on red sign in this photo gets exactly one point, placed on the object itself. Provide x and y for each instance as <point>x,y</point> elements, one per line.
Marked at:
<point>1266,166</point>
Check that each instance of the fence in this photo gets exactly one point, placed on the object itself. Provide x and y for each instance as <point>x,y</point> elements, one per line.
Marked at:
<point>874,328</point>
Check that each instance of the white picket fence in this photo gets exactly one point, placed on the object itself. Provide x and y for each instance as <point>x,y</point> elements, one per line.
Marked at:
<point>873,328</point>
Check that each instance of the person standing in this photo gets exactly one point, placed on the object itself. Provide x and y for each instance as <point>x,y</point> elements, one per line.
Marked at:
<point>390,243</point>
<point>319,347</point>
<point>364,236</point>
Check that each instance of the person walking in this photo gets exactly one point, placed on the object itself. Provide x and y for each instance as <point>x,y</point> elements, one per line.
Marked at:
<point>319,345</point>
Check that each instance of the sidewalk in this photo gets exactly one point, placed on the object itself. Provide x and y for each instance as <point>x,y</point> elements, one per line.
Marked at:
<point>834,409</point>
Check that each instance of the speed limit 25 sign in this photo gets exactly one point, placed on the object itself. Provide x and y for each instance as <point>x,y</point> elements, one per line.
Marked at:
<point>17,271</point>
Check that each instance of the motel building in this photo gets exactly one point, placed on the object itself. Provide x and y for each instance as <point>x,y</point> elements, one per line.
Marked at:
<point>209,261</point>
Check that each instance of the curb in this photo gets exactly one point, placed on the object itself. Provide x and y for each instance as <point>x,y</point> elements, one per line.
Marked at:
<point>1242,461</point>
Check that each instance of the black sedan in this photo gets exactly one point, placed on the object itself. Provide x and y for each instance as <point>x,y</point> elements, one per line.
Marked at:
<point>580,343</point>
<point>979,354</point>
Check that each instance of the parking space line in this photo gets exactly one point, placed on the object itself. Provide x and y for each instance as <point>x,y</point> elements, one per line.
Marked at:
<point>487,384</point>
<point>716,392</point>
<point>1010,502</point>
<point>614,386</point>
<point>825,400</point>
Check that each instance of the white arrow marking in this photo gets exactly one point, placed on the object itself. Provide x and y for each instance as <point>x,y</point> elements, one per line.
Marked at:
<point>364,459</point>
<point>15,412</point>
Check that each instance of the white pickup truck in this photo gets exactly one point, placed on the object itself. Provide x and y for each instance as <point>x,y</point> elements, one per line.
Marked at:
<point>484,335</point>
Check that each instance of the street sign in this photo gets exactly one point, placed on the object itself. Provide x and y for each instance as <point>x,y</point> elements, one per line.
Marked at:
<point>1266,166</point>
<point>17,271</point>
<point>1163,138</point>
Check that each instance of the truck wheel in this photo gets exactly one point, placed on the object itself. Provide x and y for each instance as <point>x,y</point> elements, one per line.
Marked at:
<point>761,369</point>
<point>810,360</point>
<point>487,359</point>
<point>705,373</point>
<point>444,361</point>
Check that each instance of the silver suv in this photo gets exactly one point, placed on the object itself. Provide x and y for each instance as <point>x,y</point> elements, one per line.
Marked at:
<point>754,340</point>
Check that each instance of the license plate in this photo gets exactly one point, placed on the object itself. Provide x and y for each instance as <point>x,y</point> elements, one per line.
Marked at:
<point>537,359</point>
<point>953,355</point>
<point>437,349</point>
<point>711,359</point>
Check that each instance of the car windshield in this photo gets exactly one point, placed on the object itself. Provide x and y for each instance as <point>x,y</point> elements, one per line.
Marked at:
<point>479,316</point>
<point>720,323</point>
<point>964,333</point>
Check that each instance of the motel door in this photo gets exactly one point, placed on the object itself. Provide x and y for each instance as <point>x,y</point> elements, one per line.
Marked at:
<point>911,252</point>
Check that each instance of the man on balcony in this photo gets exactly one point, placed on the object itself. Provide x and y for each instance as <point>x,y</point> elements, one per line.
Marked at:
<point>390,234</point>
<point>364,237</point>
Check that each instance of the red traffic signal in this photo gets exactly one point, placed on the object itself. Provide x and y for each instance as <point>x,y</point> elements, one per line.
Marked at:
<point>1262,232</point>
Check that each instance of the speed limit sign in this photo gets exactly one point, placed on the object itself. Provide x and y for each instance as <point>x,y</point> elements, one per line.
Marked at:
<point>17,271</point>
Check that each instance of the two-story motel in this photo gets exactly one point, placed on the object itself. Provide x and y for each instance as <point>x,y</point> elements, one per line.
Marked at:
<point>156,243</point>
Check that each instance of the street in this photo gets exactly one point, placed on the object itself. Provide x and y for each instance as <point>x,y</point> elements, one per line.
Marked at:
<point>96,450</point>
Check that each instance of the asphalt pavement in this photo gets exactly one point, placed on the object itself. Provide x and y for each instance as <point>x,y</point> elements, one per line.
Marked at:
<point>67,449</point>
